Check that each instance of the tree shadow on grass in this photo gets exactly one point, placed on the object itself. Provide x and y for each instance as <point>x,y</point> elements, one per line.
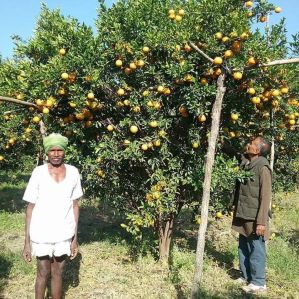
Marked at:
<point>294,239</point>
<point>11,192</point>
<point>5,266</point>
<point>231,293</point>
<point>225,259</point>
<point>186,238</point>
<point>11,199</point>
<point>70,276</point>
<point>98,222</point>
<point>95,224</point>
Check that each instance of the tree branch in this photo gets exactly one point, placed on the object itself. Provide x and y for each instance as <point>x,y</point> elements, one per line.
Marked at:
<point>275,62</point>
<point>7,99</point>
<point>282,61</point>
<point>201,52</point>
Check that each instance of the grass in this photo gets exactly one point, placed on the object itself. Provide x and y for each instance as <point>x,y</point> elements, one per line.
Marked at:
<point>107,267</point>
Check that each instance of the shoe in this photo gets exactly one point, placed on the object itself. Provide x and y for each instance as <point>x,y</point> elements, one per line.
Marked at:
<point>254,289</point>
<point>241,280</point>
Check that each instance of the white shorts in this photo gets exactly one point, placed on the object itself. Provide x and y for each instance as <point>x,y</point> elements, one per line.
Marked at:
<point>51,249</point>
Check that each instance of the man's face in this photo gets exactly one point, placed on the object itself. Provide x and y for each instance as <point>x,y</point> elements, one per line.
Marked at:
<point>253,147</point>
<point>56,156</point>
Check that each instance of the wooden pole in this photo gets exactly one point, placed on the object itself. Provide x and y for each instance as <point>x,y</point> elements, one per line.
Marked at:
<point>210,158</point>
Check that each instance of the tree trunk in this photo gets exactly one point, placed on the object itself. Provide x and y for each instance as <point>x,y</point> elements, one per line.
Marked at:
<point>210,158</point>
<point>272,153</point>
<point>165,237</point>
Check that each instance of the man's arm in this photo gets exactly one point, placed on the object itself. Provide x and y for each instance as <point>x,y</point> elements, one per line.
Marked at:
<point>27,249</point>
<point>265,199</point>
<point>74,244</point>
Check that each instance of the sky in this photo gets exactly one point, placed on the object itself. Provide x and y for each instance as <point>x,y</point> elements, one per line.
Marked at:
<point>19,17</point>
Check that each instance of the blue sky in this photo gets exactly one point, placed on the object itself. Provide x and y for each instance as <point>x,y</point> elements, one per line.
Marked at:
<point>19,16</point>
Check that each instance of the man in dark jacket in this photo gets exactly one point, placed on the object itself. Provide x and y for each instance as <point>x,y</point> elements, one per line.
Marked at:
<point>251,214</point>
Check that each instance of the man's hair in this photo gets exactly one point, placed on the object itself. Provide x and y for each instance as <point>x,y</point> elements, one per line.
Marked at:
<point>264,146</point>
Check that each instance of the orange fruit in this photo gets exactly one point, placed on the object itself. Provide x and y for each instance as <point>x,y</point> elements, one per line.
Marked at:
<point>236,47</point>
<point>263,19</point>
<point>120,92</point>
<point>248,4</point>
<point>46,110</point>
<point>144,147</point>
<point>110,128</point>
<point>251,90</point>
<point>36,119</point>
<point>228,54</point>
<point>118,63</point>
<point>284,90</point>
<point>195,144</point>
<point>62,51</point>
<point>251,61</point>
<point>90,95</point>
<point>145,49</point>
<point>219,215</point>
<point>153,124</point>
<point>218,35</point>
<point>64,76</point>
<point>234,116</point>
<point>134,129</point>
<point>237,75</point>
<point>181,12</point>
<point>202,118</point>
<point>255,100</point>
<point>218,60</point>
<point>178,18</point>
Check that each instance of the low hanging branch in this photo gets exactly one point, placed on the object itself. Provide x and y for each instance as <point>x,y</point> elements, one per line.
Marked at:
<point>280,62</point>
<point>19,102</point>
<point>201,52</point>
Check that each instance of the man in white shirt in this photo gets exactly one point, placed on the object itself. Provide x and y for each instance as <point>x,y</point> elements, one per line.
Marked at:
<point>52,216</point>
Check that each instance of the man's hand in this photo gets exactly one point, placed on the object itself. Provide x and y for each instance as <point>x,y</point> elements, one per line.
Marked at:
<point>27,253</point>
<point>74,249</point>
<point>260,230</point>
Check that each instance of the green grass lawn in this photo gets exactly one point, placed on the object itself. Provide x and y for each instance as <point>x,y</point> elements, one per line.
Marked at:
<point>108,267</point>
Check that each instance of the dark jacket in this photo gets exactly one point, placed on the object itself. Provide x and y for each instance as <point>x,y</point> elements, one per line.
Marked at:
<point>247,194</point>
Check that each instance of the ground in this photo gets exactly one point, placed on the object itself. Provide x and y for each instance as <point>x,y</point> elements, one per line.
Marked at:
<point>109,267</point>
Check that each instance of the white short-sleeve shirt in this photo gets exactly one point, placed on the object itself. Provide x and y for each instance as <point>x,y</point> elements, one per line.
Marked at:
<point>52,216</point>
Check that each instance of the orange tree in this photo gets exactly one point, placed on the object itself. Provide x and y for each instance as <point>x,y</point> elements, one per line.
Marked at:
<point>136,99</point>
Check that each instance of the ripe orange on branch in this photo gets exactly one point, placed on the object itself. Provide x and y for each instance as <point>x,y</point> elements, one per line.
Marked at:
<point>62,51</point>
<point>134,129</point>
<point>118,63</point>
<point>234,116</point>
<point>237,75</point>
<point>255,100</point>
<point>153,124</point>
<point>120,91</point>
<point>110,128</point>
<point>218,60</point>
<point>202,118</point>
<point>36,119</point>
<point>90,95</point>
<point>251,61</point>
<point>64,76</point>
<point>218,35</point>
<point>248,4</point>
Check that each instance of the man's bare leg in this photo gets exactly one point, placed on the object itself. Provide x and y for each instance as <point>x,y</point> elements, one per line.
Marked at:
<point>42,276</point>
<point>57,266</point>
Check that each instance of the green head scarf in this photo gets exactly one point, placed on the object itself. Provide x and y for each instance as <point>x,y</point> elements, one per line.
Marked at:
<point>55,140</point>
